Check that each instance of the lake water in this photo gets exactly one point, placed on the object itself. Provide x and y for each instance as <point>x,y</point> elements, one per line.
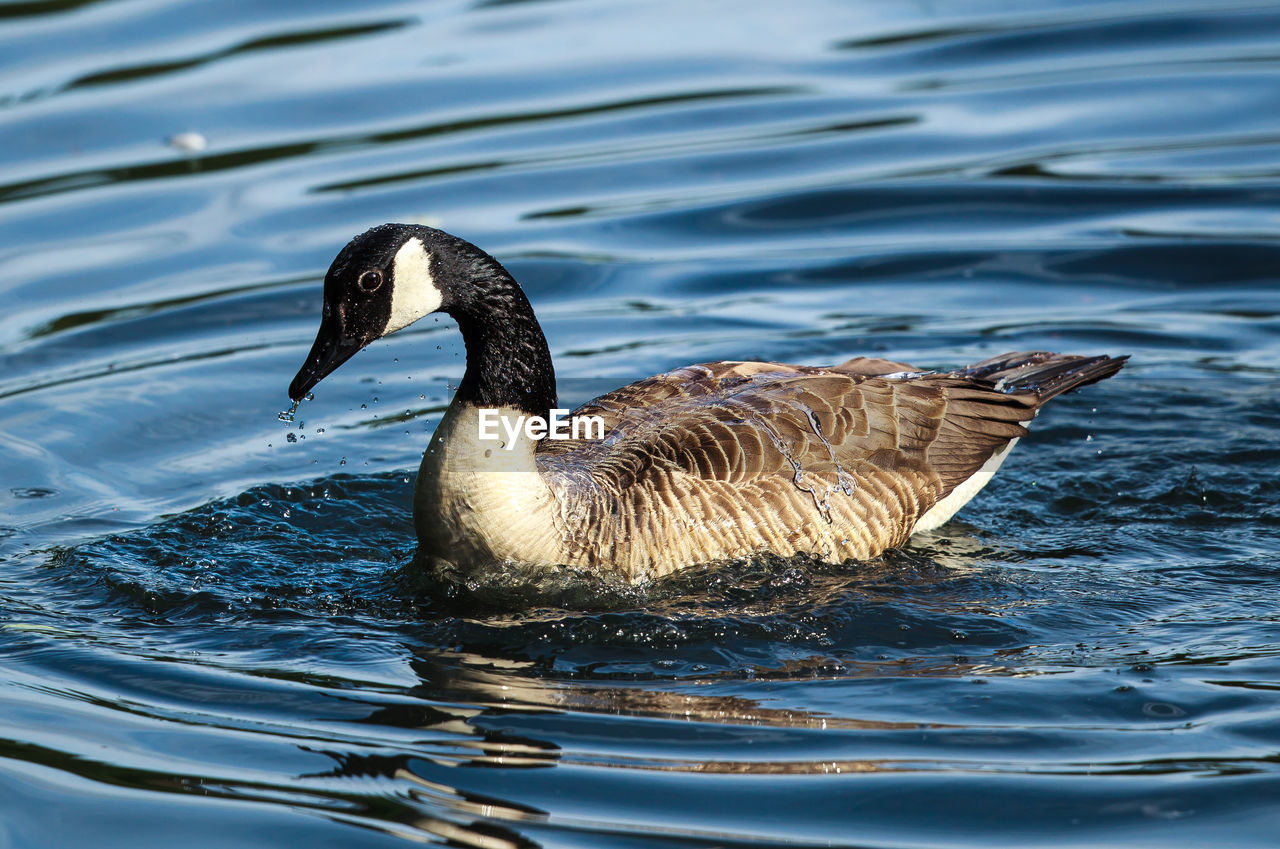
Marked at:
<point>207,632</point>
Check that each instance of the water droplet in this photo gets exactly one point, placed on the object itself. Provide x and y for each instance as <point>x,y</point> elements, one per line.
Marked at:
<point>319,430</point>
<point>364,406</point>
<point>290,437</point>
<point>342,462</point>
<point>188,142</point>
<point>286,416</point>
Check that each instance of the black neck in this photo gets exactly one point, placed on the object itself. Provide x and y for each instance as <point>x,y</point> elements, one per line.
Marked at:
<point>508,362</point>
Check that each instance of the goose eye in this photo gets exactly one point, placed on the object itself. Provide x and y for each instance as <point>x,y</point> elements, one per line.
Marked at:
<point>369,281</point>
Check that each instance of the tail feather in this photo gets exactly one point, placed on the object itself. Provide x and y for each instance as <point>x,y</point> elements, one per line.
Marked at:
<point>988,407</point>
<point>1042,374</point>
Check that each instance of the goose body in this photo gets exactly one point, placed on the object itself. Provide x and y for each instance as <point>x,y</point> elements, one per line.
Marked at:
<point>704,463</point>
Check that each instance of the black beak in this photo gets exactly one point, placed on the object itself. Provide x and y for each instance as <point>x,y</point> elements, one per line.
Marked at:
<point>332,348</point>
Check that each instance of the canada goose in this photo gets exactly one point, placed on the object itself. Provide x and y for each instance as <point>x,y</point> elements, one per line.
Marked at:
<point>708,462</point>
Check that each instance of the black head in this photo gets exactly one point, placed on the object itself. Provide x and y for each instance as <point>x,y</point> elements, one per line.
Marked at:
<point>380,282</point>
<point>391,276</point>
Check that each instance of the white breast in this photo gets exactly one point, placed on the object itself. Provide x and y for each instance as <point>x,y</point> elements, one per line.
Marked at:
<point>478,500</point>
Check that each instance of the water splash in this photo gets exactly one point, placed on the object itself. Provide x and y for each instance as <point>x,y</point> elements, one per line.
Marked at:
<point>287,416</point>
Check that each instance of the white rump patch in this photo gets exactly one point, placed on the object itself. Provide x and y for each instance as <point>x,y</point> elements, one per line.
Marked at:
<point>940,513</point>
<point>413,293</point>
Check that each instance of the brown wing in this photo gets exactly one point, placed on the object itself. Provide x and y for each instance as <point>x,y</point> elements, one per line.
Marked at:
<point>701,380</point>
<point>739,456</point>
<point>871,367</point>
<point>738,420</point>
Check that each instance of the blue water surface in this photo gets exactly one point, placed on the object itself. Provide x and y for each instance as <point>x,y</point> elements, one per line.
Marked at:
<point>210,630</point>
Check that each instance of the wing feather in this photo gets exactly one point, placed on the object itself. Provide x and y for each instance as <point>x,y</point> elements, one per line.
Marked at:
<point>769,456</point>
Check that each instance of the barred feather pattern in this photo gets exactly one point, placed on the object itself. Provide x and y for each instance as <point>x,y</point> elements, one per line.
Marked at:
<point>724,460</point>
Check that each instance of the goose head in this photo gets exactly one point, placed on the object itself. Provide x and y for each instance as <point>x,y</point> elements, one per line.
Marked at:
<point>387,278</point>
<point>384,280</point>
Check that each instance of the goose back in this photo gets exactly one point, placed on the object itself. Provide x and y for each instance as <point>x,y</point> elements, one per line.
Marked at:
<point>727,459</point>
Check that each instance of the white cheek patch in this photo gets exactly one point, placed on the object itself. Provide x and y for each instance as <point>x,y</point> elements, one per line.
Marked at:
<point>413,293</point>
